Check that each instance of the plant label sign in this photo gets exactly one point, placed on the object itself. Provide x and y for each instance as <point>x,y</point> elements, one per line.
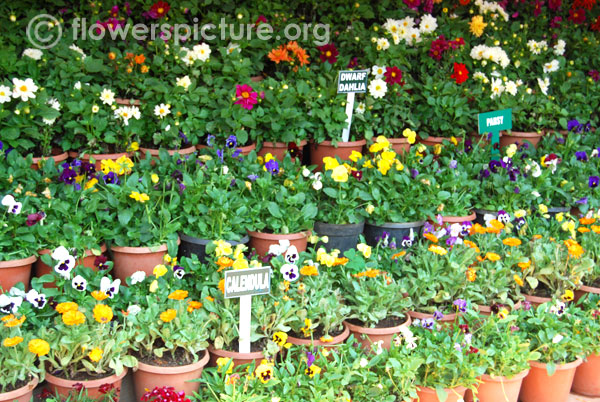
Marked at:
<point>243,284</point>
<point>494,122</point>
<point>350,83</point>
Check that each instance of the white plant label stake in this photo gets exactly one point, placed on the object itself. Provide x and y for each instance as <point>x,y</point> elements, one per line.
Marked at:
<point>350,83</point>
<point>243,284</point>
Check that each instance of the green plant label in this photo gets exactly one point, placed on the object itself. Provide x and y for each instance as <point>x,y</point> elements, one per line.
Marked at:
<point>352,81</point>
<point>247,282</point>
<point>494,122</point>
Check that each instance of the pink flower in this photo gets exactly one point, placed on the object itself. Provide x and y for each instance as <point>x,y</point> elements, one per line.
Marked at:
<point>555,23</point>
<point>246,97</point>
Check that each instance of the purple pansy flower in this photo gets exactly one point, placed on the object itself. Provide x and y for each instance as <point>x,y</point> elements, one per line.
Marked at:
<point>231,141</point>
<point>460,305</point>
<point>437,315</point>
<point>581,156</point>
<point>453,164</point>
<point>427,323</point>
<point>272,167</point>
<point>593,181</point>
<point>210,140</point>
<point>32,219</point>
<point>252,177</point>
<point>110,178</point>
<point>574,125</point>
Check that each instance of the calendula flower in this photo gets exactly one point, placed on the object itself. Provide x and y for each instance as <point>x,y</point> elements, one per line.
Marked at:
<point>38,346</point>
<point>431,237</point>
<point>512,242</point>
<point>518,280</point>
<point>193,305</point>
<point>309,270</point>
<point>62,308</point>
<point>437,249</point>
<point>73,317</point>
<point>524,265</point>
<point>178,294</point>
<point>168,315</point>
<point>95,354</point>
<point>103,313</point>
<point>12,342</point>
<point>99,295</point>
<point>471,274</point>
<point>492,256</point>
<point>10,321</point>
<point>472,245</point>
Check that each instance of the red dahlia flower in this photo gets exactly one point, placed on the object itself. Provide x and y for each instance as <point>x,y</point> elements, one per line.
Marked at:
<point>246,97</point>
<point>328,53</point>
<point>596,25</point>
<point>577,15</point>
<point>159,9</point>
<point>588,4</point>
<point>393,75</point>
<point>554,5</point>
<point>461,74</point>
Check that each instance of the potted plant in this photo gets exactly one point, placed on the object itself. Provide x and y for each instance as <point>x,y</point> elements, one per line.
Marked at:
<point>584,382</point>
<point>340,192</point>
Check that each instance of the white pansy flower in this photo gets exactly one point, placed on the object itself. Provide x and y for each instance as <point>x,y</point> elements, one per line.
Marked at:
<point>66,262</point>
<point>34,54</point>
<point>79,283</point>
<point>24,89</point>
<point>77,85</point>
<point>10,304</point>
<point>363,362</point>
<point>133,309</point>
<point>290,272</point>
<point>279,248</point>
<point>137,277</point>
<point>38,300</point>
<point>108,287</point>
<point>317,185</point>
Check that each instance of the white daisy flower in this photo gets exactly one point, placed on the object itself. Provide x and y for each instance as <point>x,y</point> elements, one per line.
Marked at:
<point>360,108</point>
<point>377,88</point>
<point>107,96</point>
<point>34,54</point>
<point>428,24</point>
<point>378,71</point>
<point>551,67</point>
<point>383,44</point>
<point>497,87</point>
<point>24,89</point>
<point>5,94</point>
<point>95,109</point>
<point>184,82</point>
<point>544,84</point>
<point>233,47</point>
<point>162,110</point>
<point>559,48</point>
<point>202,52</point>
<point>77,85</point>
<point>511,87</point>
<point>77,49</point>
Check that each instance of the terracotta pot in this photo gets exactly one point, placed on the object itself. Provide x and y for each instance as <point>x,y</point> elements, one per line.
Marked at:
<point>487,310</point>
<point>537,300</point>
<point>261,241</point>
<point>448,318</point>
<point>432,141</point>
<point>429,395</point>
<point>128,260</point>
<point>277,149</point>
<point>245,150</point>
<point>100,157</point>
<point>257,78</point>
<point>517,136</point>
<point>63,387</point>
<point>538,386</point>
<point>449,220</point>
<point>22,394</point>
<point>238,358</point>
<point>88,261</point>
<point>587,379</point>
<point>582,291</point>
<point>316,342</point>
<point>148,376</point>
<point>343,150</point>
<point>37,163</point>
<point>73,154</point>
<point>479,139</point>
<point>15,271</point>
<point>498,389</point>
<point>154,152</point>
<point>367,336</point>
<point>399,145</point>
<point>127,102</point>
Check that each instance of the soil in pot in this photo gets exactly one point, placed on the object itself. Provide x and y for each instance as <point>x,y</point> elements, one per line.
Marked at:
<point>538,386</point>
<point>57,155</point>
<point>539,295</point>
<point>338,336</point>
<point>384,331</point>
<point>341,237</point>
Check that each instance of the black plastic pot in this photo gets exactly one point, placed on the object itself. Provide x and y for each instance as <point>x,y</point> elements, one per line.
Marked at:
<point>480,213</point>
<point>193,245</point>
<point>341,237</point>
<point>553,211</point>
<point>373,233</point>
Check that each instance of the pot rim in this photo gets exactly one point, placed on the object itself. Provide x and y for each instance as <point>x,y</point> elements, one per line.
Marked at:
<point>378,331</point>
<point>419,315</point>
<point>198,240</point>
<point>273,236</point>
<point>525,134</point>
<point>169,370</point>
<point>88,253</point>
<point>139,250</point>
<point>398,140</point>
<point>99,157</point>
<point>181,151</point>
<point>428,390</point>
<point>61,382</point>
<point>18,263</point>
<point>235,355</point>
<point>397,225</point>
<point>514,378</point>
<point>278,144</point>
<point>589,289</point>
<point>345,225</point>
<point>57,158</point>
<point>16,393</point>
<point>559,367</point>
<point>537,299</point>
<point>457,219</point>
<point>341,144</point>
<point>316,342</point>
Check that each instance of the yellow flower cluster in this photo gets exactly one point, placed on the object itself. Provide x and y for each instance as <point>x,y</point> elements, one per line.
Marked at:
<point>265,371</point>
<point>139,197</point>
<point>237,261</point>
<point>120,167</point>
<point>330,259</point>
<point>385,158</point>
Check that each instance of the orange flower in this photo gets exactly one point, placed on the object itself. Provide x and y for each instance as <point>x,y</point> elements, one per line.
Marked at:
<point>73,318</point>
<point>309,270</point>
<point>112,55</point>
<point>222,285</point>
<point>518,280</point>
<point>62,308</point>
<point>537,237</point>
<point>587,221</point>
<point>495,226</point>
<point>178,295</point>
<point>340,261</point>
<point>472,245</point>
<point>168,315</point>
<point>278,55</point>
<point>575,250</point>
<point>224,262</point>
<point>210,298</point>
<point>10,321</point>
<point>292,46</point>
<point>583,230</point>
<point>431,237</point>
<point>477,229</point>
<point>140,59</point>
<point>144,69</point>
<point>193,305</point>
<point>99,295</point>
<point>512,242</point>
<point>492,256</point>
<point>471,274</point>
<point>128,56</point>
<point>437,250</point>
<point>399,255</point>
<point>302,56</point>
<point>595,229</point>
<point>369,273</point>
<point>524,265</point>
<point>103,313</point>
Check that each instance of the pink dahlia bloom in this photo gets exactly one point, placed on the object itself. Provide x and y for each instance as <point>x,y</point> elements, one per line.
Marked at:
<point>246,97</point>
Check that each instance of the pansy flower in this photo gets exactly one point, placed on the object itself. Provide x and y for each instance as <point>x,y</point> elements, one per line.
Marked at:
<point>66,262</point>
<point>231,141</point>
<point>108,287</point>
<point>460,305</point>
<point>13,206</point>
<point>79,283</point>
<point>178,272</point>
<point>290,272</point>
<point>10,303</point>
<point>38,300</point>
<point>32,219</point>
<point>291,255</point>
<point>100,262</point>
<point>272,167</point>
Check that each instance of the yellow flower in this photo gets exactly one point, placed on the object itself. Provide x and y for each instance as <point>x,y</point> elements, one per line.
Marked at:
<point>355,156</point>
<point>307,330</point>
<point>437,249</point>
<point>503,313</point>
<point>326,338</point>
<point>193,305</point>
<point>265,373</point>
<point>154,178</point>
<point>383,166</point>
<point>385,144</point>
<point>159,270</point>
<point>269,157</point>
<point>62,308</point>
<point>134,146</point>
<point>178,294</point>
<point>222,362</point>
<point>139,197</point>
<point>518,280</point>
<point>399,165</point>
<point>124,165</point>
<point>309,270</point>
<point>153,286</point>
<point>370,208</point>
<point>471,274</point>
<point>521,213</point>
<point>280,338</point>
<point>239,251</point>
<point>364,249</point>
<point>38,346</point>
<point>240,263</point>
<point>96,354</point>
<point>73,317</point>
<point>11,321</point>
<point>560,216</point>
<point>168,315</point>
<point>103,313</point>
<point>477,26</point>
<point>330,163</point>
<point>375,147</point>
<point>91,183</point>
<point>99,295</point>
<point>524,265</point>
<point>492,256</point>
<point>339,174</point>
<point>511,150</point>
<point>312,370</point>
<point>568,295</point>
<point>543,209</point>
<point>108,165</point>
<point>410,135</point>
<point>10,342</point>
<point>512,242</point>
<point>223,248</point>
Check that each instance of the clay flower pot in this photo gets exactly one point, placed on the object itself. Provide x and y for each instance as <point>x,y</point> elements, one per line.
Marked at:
<point>538,386</point>
<point>277,149</point>
<point>459,219</point>
<point>518,136</point>
<point>100,157</point>
<point>22,394</point>
<point>127,102</point>
<point>587,380</point>
<point>582,291</point>
<point>343,150</point>
<point>148,376</point>
<point>238,358</point>
<point>501,389</point>
<point>537,300</point>
<point>37,163</point>
<point>316,342</point>
<point>63,387</point>
<point>448,318</point>
<point>88,261</point>
<point>154,152</point>
<point>399,145</point>
<point>261,241</point>
<point>367,336</point>
<point>430,395</point>
<point>15,271</point>
<point>128,260</point>
<point>432,141</point>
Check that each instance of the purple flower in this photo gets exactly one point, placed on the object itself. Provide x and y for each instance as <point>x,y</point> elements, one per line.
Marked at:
<point>450,241</point>
<point>583,201</point>
<point>574,125</point>
<point>428,228</point>
<point>252,177</point>
<point>183,137</point>
<point>178,271</point>
<point>457,347</point>
<point>517,190</point>
<point>526,305</point>
<point>177,175</point>
<point>427,323</point>
<point>210,140</point>
<point>272,167</point>
<point>460,305</point>
<point>110,178</point>
<point>465,228</point>
<point>68,176</point>
<point>236,153</point>
<point>414,173</point>
<point>593,181</point>
<point>437,315</point>
<point>581,156</point>
<point>468,145</point>
<point>494,165</point>
<point>1,146</point>
<point>453,164</point>
<point>484,174</point>
<point>406,242</point>
<point>87,169</point>
<point>231,141</point>
<point>220,154</point>
<point>32,219</point>
<point>595,75</point>
<point>181,188</point>
<point>310,358</point>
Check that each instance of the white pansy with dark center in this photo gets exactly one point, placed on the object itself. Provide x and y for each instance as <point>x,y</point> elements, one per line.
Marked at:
<point>66,262</point>
<point>279,248</point>
<point>13,206</point>
<point>178,272</point>
<point>291,255</point>
<point>79,283</point>
<point>38,300</point>
<point>290,272</point>
<point>110,288</point>
<point>10,304</point>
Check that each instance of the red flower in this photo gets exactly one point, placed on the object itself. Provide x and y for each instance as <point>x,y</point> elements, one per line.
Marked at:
<point>78,386</point>
<point>538,8</point>
<point>246,97</point>
<point>357,174</point>
<point>328,53</point>
<point>438,47</point>
<point>588,4</point>
<point>159,9</point>
<point>393,75</point>
<point>261,20</point>
<point>554,5</point>
<point>577,15</point>
<point>294,150</point>
<point>596,25</point>
<point>555,23</point>
<point>105,388</point>
<point>460,73</point>
<point>413,4</point>
<point>472,350</point>
<point>464,2</point>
